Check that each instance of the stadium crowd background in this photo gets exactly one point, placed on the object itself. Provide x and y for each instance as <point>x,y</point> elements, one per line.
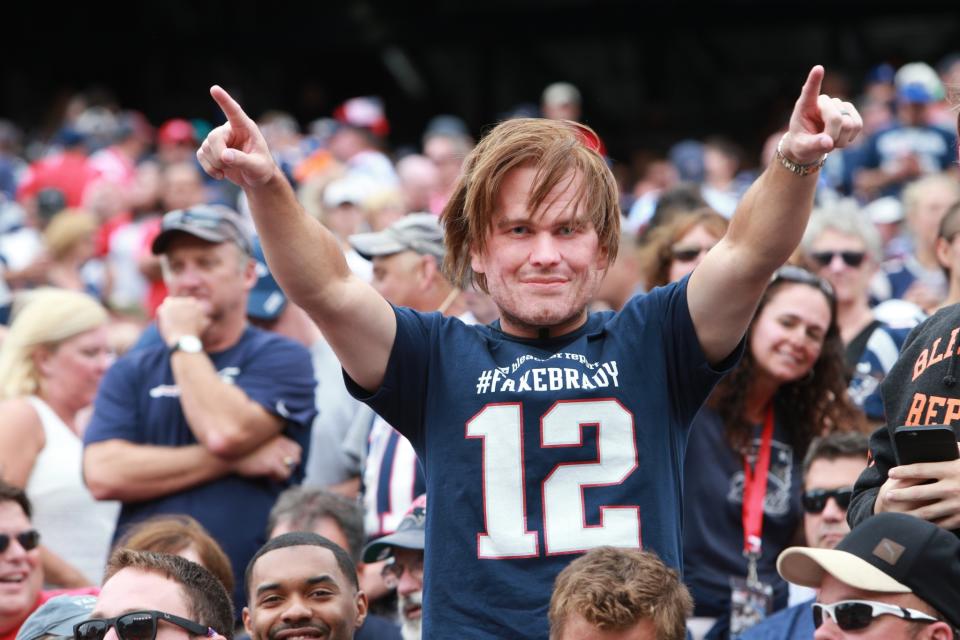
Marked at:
<point>82,199</point>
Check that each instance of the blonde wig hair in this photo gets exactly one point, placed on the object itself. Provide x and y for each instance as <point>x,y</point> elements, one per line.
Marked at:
<point>47,317</point>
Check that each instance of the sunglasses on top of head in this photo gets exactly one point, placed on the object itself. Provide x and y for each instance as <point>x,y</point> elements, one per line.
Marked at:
<point>28,540</point>
<point>815,500</point>
<point>850,258</point>
<point>136,625</point>
<point>852,615</point>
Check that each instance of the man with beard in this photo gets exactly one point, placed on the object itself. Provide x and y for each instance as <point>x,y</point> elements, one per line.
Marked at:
<point>404,572</point>
<point>301,584</point>
<point>831,467</point>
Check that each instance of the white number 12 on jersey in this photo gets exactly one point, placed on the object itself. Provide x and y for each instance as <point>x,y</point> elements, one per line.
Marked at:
<point>565,529</point>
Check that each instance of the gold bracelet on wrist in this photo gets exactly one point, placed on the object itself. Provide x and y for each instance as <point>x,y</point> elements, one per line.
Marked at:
<point>795,167</point>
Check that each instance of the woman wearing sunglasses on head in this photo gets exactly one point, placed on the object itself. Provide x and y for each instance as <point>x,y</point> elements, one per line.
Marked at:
<point>673,249</point>
<point>51,364</point>
<point>843,247</point>
<point>742,474</point>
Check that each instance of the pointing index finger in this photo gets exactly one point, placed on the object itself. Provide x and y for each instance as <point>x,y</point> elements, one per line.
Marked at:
<point>229,106</point>
<point>811,88</point>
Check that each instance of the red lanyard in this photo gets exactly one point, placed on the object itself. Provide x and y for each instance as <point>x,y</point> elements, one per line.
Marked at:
<point>755,488</point>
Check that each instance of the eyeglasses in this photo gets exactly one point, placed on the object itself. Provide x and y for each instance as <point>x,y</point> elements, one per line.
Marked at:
<point>137,625</point>
<point>815,500</point>
<point>688,254</point>
<point>850,258</point>
<point>790,273</point>
<point>851,615</point>
<point>27,539</point>
<point>392,572</point>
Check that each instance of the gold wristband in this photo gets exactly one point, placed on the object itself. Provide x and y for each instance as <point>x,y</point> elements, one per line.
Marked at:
<point>794,167</point>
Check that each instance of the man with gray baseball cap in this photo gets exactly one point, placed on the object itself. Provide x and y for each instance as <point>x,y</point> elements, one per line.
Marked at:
<point>211,421</point>
<point>213,223</point>
<point>893,576</point>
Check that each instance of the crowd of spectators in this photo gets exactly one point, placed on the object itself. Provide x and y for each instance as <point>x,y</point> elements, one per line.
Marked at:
<point>92,270</point>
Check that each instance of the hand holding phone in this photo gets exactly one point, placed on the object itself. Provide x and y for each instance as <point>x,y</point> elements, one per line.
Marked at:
<point>931,443</point>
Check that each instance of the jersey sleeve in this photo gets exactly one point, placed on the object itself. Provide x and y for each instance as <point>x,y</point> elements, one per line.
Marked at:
<point>872,478</point>
<point>689,376</point>
<point>115,415</point>
<point>407,374</point>
<point>280,379</point>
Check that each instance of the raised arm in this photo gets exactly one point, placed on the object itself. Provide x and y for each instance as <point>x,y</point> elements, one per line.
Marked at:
<point>724,290</point>
<point>304,257</point>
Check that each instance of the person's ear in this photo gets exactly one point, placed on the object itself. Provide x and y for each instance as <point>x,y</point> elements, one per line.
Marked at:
<point>428,269</point>
<point>943,252</point>
<point>246,621</point>
<point>41,360</point>
<point>362,606</point>
<point>937,631</point>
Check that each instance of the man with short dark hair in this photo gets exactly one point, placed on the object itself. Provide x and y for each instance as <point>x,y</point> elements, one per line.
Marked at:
<point>340,520</point>
<point>212,421</point>
<point>404,549</point>
<point>161,591</point>
<point>830,469</point>
<point>302,584</point>
<point>893,577</point>
<point>619,594</point>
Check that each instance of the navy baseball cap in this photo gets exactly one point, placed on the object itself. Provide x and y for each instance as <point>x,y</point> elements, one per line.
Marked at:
<point>210,222</point>
<point>409,534</point>
<point>887,553</point>
<point>57,616</point>
<point>267,300</point>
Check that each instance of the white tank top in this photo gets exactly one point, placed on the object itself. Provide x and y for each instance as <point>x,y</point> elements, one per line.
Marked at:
<point>71,522</point>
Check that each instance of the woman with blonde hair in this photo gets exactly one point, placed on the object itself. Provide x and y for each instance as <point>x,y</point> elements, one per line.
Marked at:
<point>69,240</point>
<point>51,363</point>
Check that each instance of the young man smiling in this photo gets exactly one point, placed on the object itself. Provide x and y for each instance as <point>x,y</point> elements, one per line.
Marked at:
<point>550,432</point>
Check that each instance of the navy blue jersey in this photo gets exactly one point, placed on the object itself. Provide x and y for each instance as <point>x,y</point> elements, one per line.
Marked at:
<point>139,401</point>
<point>537,450</point>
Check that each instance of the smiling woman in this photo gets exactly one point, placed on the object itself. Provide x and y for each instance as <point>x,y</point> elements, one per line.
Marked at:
<point>51,364</point>
<point>742,473</point>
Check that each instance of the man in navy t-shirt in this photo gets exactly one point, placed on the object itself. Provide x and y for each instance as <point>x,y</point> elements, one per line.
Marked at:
<point>551,431</point>
<point>213,421</point>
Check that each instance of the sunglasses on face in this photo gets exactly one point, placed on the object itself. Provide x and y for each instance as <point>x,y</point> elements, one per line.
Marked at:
<point>688,254</point>
<point>137,625</point>
<point>27,539</point>
<point>815,500</point>
<point>851,615</point>
<point>850,258</point>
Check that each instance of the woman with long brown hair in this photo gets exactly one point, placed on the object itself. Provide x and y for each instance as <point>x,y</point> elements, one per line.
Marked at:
<point>742,477</point>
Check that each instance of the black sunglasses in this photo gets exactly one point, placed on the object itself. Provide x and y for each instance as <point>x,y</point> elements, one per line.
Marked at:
<point>850,258</point>
<point>851,615</point>
<point>28,540</point>
<point>815,500</point>
<point>137,625</point>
